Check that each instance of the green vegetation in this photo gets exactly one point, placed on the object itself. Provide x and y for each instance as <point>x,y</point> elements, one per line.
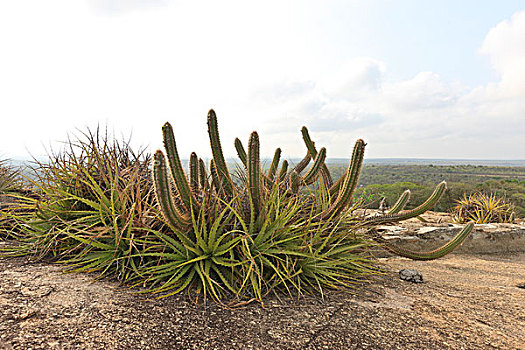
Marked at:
<point>10,181</point>
<point>482,209</point>
<point>10,190</point>
<point>224,235</point>
<point>389,181</point>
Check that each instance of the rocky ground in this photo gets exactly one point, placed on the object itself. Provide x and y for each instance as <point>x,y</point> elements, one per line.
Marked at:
<point>465,302</point>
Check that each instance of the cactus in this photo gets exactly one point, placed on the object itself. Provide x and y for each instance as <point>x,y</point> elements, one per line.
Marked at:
<point>194,173</point>
<point>310,145</point>
<point>434,254</point>
<point>312,174</point>
<point>178,208</point>
<point>349,183</point>
<point>275,164</point>
<point>400,203</point>
<point>175,218</point>
<point>283,171</point>
<point>177,172</point>
<point>254,176</point>
<point>226,182</point>
<point>408,214</point>
<point>241,152</point>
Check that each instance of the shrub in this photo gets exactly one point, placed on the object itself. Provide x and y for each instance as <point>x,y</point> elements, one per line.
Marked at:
<point>95,207</point>
<point>227,235</point>
<point>11,188</point>
<point>482,208</point>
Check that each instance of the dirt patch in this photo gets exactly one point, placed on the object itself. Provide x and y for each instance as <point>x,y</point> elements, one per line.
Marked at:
<point>465,302</point>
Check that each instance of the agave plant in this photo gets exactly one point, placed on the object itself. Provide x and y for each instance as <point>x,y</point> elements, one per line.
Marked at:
<point>291,229</point>
<point>11,187</point>
<point>482,208</point>
<point>94,207</point>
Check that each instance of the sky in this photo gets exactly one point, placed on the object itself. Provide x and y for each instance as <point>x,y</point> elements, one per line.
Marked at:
<point>414,79</point>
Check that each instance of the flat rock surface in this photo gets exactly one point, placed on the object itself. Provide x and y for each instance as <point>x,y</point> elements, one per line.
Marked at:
<point>466,302</point>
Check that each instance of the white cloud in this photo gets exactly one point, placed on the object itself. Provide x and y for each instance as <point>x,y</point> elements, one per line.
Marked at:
<point>423,116</point>
<point>260,67</point>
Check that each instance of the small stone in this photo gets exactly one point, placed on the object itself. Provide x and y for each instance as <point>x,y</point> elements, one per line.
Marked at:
<point>413,276</point>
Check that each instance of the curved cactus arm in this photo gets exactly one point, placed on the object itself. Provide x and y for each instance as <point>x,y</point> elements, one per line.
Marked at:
<point>177,171</point>
<point>433,254</point>
<point>310,145</point>
<point>302,164</point>
<point>254,175</point>
<point>218,156</point>
<point>283,171</point>
<point>313,172</point>
<point>194,173</point>
<point>161,184</point>
<point>240,151</point>
<point>408,214</point>
<point>400,203</point>
<point>203,176</point>
<point>349,184</point>
<point>275,164</point>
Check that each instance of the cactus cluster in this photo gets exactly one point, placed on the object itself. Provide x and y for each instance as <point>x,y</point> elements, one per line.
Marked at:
<point>289,228</point>
<point>248,200</point>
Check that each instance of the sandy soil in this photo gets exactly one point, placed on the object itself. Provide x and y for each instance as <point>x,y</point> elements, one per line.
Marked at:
<point>466,302</point>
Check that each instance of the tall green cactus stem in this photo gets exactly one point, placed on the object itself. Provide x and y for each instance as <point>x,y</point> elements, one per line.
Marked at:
<point>294,182</point>
<point>433,254</point>
<point>240,151</point>
<point>310,145</point>
<point>194,173</point>
<point>203,176</point>
<point>408,214</point>
<point>177,171</point>
<point>218,157</point>
<point>400,203</point>
<point>283,171</point>
<point>254,174</point>
<point>351,178</point>
<point>275,164</point>
<point>302,164</point>
<point>215,180</point>
<point>177,220</point>
<point>313,172</point>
